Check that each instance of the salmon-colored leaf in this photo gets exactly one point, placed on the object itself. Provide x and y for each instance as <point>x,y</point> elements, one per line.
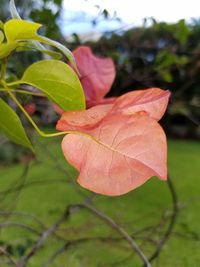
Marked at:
<point>119,154</point>
<point>96,74</point>
<point>83,119</point>
<point>57,109</point>
<point>154,101</point>
<point>102,101</point>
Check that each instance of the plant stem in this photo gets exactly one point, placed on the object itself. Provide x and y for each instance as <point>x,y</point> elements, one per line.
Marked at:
<point>14,83</point>
<point>40,132</point>
<point>120,231</point>
<point>168,232</point>
<point>3,68</point>
<point>23,92</point>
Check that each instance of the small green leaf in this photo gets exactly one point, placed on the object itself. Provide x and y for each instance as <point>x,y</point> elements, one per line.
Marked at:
<point>11,126</point>
<point>1,36</point>
<point>17,30</point>
<point>7,48</point>
<point>36,46</point>
<point>21,30</point>
<point>167,76</point>
<point>182,31</point>
<point>51,53</point>
<point>58,81</point>
<point>60,47</point>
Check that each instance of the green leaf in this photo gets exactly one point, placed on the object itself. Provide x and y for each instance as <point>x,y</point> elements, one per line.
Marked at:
<point>1,36</point>
<point>21,30</point>
<point>58,81</point>
<point>31,45</point>
<point>182,31</point>
<point>7,48</point>
<point>58,2</point>
<point>17,30</point>
<point>167,76</point>
<point>11,126</point>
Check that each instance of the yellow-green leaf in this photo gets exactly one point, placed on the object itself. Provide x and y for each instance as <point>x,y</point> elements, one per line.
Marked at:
<point>36,46</point>
<point>7,48</point>
<point>58,81</point>
<point>31,45</point>
<point>1,36</point>
<point>60,47</point>
<point>22,30</point>
<point>11,125</point>
<point>16,30</point>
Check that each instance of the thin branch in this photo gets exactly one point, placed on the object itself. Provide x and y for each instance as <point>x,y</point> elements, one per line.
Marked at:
<point>73,209</point>
<point>169,230</point>
<point>10,258</point>
<point>43,238</point>
<point>23,214</point>
<point>23,92</point>
<point>70,243</point>
<point>22,177</point>
<point>109,221</point>
<point>57,253</point>
<point>20,225</point>
<point>33,183</point>
<point>64,170</point>
<point>122,261</point>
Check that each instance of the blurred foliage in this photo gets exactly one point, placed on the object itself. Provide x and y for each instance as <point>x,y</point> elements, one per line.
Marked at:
<point>153,55</point>
<point>160,55</point>
<point>11,153</point>
<point>46,12</point>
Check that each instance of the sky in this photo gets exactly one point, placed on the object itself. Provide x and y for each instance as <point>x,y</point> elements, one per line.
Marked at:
<point>77,14</point>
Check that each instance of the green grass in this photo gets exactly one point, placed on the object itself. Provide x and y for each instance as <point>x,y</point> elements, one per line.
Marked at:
<point>46,192</point>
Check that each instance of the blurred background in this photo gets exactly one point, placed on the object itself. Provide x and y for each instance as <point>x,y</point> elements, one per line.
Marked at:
<point>153,44</point>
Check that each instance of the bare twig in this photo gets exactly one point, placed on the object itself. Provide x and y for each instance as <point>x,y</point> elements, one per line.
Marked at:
<point>72,209</point>
<point>43,238</point>
<point>118,229</point>
<point>106,239</point>
<point>71,243</point>
<point>62,169</point>
<point>122,261</point>
<point>32,183</point>
<point>19,225</point>
<point>10,258</point>
<point>169,230</point>
<point>23,214</point>
<point>19,182</point>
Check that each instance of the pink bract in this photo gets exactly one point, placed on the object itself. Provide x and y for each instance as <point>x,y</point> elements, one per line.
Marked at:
<point>153,100</point>
<point>118,147</point>
<point>96,74</point>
